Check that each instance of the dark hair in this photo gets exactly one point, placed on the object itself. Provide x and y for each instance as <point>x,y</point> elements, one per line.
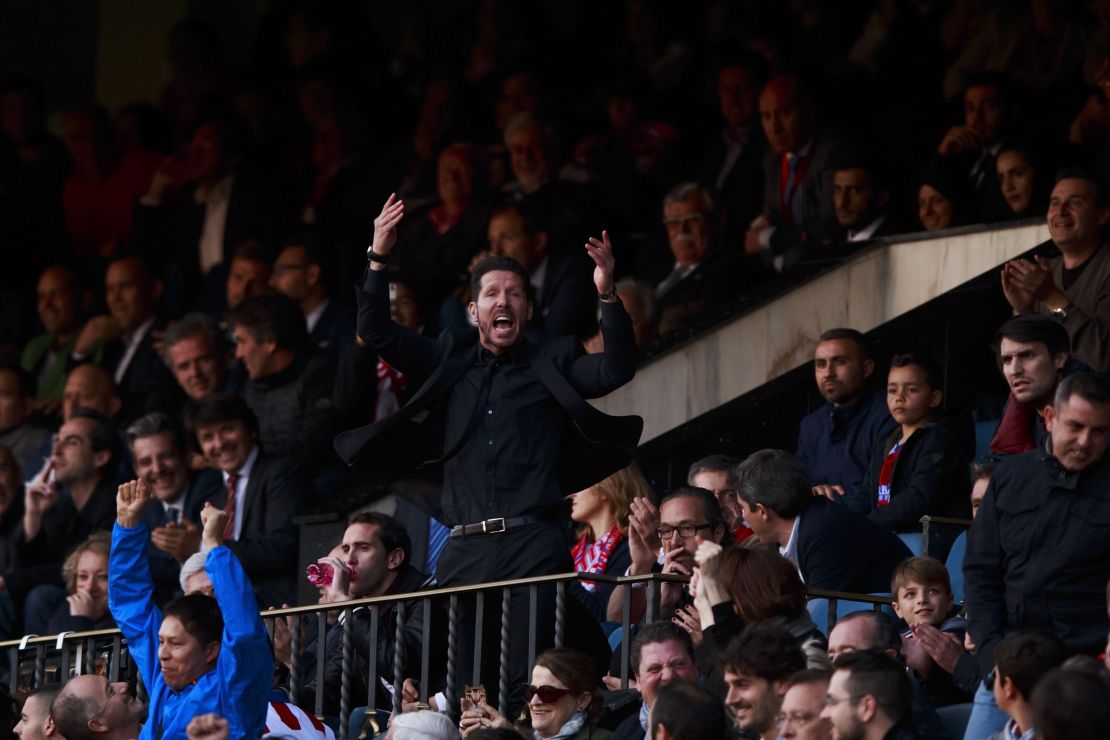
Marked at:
<point>157,423</point>
<point>316,253</point>
<point>920,569</point>
<point>761,584</point>
<point>810,676</point>
<point>876,674</point>
<point>656,632</point>
<point>191,325</point>
<point>688,711</point>
<point>714,464</point>
<point>1088,386</point>
<point>1034,328</point>
<point>775,479</point>
<point>766,650</point>
<point>199,614</point>
<point>1023,656</point>
<point>852,335</point>
<point>71,715</point>
<point>1070,705</point>
<point>272,317</point>
<point>731,55</point>
<point>575,670</point>
<point>884,635</point>
<point>982,467</point>
<point>102,437</point>
<point>854,157</point>
<point>710,508</point>
<point>934,376</point>
<point>494,264</point>
<point>1083,173</point>
<point>218,409</point>
<point>28,386</point>
<point>391,532</point>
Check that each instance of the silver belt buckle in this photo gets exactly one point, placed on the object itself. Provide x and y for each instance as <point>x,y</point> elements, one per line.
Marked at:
<point>493,526</point>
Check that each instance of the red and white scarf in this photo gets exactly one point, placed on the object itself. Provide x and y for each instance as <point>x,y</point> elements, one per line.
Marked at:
<point>592,557</point>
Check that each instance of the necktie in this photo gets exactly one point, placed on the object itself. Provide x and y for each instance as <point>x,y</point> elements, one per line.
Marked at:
<point>437,540</point>
<point>229,507</point>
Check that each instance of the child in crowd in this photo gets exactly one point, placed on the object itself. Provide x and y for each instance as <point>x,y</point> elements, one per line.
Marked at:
<point>933,644</point>
<point>921,467</point>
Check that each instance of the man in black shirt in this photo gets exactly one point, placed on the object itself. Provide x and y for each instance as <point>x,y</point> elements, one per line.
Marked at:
<point>516,435</point>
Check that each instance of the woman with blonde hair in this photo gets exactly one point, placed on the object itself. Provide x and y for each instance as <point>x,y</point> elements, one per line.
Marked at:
<point>601,513</point>
<point>85,572</point>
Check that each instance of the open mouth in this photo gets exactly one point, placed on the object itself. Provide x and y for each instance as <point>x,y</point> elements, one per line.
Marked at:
<point>503,322</point>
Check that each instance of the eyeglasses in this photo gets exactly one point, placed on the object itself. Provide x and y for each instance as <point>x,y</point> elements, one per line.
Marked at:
<point>547,694</point>
<point>684,530</point>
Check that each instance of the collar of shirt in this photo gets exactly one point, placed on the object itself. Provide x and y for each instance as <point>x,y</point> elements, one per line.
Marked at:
<point>867,231</point>
<point>538,276</point>
<point>790,549</point>
<point>131,343</point>
<point>805,148</point>
<point>221,191</point>
<point>133,339</point>
<point>515,354</point>
<point>312,318</point>
<point>244,472</point>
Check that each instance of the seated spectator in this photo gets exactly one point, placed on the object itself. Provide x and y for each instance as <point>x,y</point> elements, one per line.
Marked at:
<point>124,340</point>
<point>1071,705</point>
<point>717,474</point>
<point>426,725</point>
<point>194,349</point>
<point>1022,658</point>
<point>289,386</point>
<point>11,507</point>
<point>86,575</point>
<point>201,654</point>
<point>686,711</point>
<point>35,722</point>
<point>1072,287</point>
<point>833,548</point>
<point>933,646</point>
<point>834,441</point>
<point>741,587</point>
<point>88,707</point>
<point>942,198</point>
<point>374,562</point>
<point>261,495</point>
<point>801,707</point>
<point>90,387</point>
<point>869,697</point>
<point>980,471</point>
<point>705,273</point>
<point>757,665</point>
<point>920,468</point>
<point>17,402</point>
<point>562,699</point>
<point>60,302</point>
<point>798,215</point>
<point>565,299</point>
<point>247,276</point>
<point>301,274</point>
<point>861,199</point>
<point>601,513</point>
<point>1024,181</point>
<point>178,494</point>
<point>661,654</point>
<point>65,503</point>
<point>1033,354</point>
<point>686,518</point>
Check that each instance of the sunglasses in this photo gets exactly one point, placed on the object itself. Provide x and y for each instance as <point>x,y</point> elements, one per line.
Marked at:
<point>547,694</point>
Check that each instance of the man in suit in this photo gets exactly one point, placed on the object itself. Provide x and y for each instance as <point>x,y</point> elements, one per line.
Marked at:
<point>177,495</point>
<point>861,197</point>
<point>300,273</point>
<point>261,494</point>
<point>833,547</point>
<point>194,350</point>
<point>510,451</point>
<point>798,214</point>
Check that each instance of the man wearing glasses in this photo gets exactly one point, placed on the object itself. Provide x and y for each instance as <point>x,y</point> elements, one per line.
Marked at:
<point>800,716</point>
<point>869,698</point>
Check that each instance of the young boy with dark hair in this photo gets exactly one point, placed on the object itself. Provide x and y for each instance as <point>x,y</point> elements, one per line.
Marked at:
<point>921,467</point>
<point>1021,659</point>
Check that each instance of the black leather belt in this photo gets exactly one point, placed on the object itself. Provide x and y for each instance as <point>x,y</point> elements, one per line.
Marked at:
<point>497,525</point>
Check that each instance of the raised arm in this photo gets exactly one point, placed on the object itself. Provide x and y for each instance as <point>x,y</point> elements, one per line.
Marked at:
<point>130,586</point>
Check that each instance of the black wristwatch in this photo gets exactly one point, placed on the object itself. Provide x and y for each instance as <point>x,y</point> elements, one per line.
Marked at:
<point>375,257</point>
<point>608,296</point>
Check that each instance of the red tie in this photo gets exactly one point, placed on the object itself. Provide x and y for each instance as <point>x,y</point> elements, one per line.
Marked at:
<point>229,507</point>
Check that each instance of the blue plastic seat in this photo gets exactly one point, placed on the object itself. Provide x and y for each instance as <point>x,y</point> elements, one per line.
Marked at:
<point>914,541</point>
<point>819,610</point>
<point>955,566</point>
<point>954,718</point>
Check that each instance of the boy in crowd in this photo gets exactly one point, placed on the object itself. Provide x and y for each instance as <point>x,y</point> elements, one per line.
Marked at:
<point>923,600</point>
<point>1021,658</point>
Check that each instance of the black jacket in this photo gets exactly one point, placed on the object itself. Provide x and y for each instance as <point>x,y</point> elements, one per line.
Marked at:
<point>841,550</point>
<point>1038,554</point>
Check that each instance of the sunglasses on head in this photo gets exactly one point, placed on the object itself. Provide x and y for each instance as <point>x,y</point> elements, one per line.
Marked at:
<point>547,694</point>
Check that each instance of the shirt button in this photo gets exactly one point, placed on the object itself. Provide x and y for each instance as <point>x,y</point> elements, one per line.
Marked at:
<point>491,441</point>
<point>489,412</point>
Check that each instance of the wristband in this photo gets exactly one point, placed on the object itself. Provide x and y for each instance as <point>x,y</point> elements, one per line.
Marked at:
<point>609,296</point>
<point>373,256</point>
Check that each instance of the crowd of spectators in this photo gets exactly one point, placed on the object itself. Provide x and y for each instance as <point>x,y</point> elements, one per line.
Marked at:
<point>179,312</point>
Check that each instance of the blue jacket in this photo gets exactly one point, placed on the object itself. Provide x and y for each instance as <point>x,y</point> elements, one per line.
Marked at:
<point>238,689</point>
<point>834,444</point>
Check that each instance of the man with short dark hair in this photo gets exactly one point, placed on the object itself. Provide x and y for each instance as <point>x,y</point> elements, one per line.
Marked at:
<point>683,710</point>
<point>303,273</point>
<point>1071,705</point>
<point>800,714</point>
<point>89,707</point>
<point>1038,553</point>
<point>1074,287</point>
<point>661,653</point>
<point>757,666</point>
<point>834,441</point>
<point>972,147</point>
<point>717,474</point>
<point>35,722</point>
<point>193,348</point>
<point>861,196</point>
<point>17,402</point>
<point>869,698</point>
<point>1021,659</point>
<point>834,548</point>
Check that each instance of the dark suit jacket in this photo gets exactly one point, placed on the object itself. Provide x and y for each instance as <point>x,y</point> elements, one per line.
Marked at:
<point>568,300</point>
<point>336,327</point>
<point>841,550</point>
<point>741,193</point>
<point>267,547</point>
<point>722,276</point>
<point>595,446</point>
<point>205,485</point>
<point>147,385</point>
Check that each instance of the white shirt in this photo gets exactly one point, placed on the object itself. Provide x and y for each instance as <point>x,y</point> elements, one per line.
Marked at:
<point>131,345</point>
<point>537,277</point>
<point>215,200</point>
<point>678,274</point>
<point>867,231</point>
<point>241,490</point>
<point>790,550</point>
<point>312,318</point>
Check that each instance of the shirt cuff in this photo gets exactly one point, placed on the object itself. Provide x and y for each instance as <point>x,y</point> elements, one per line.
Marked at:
<point>765,237</point>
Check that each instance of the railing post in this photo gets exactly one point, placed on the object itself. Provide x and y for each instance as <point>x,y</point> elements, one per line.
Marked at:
<point>503,685</point>
<point>294,658</point>
<point>425,649</point>
<point>626,626</point>
<point>652,601</point>
<point>321,659</point>
<point>345,679</point>
<point>560,612</point>
<point>533,603</point>
<point>479,609</point>
<point>452,656</point>
<point>399,656</point>
<point>372,677</point>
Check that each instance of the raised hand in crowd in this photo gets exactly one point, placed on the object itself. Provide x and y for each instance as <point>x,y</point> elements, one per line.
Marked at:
<point>601,252</point>
<point>958,140</point>
<point>177,540</point>
<point>339,588</point>
<point>643,540</point>
<point>214,520</point>
<point>131,499</point>
<point>385,229</point>
<point>705,585</point>
<point>172,175</point>
<point>39,497</point>
<point>209,726</point>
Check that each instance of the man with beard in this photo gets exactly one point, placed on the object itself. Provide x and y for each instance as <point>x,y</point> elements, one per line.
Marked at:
<point>497,411</point>
<point>758,664</point>
<point>869,698</point>
<point>1038,552</point>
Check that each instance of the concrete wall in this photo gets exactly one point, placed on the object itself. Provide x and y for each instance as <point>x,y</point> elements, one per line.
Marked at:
<point>869,290</point>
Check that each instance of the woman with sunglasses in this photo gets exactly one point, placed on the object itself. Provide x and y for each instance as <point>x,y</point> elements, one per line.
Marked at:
<point>562,700</point>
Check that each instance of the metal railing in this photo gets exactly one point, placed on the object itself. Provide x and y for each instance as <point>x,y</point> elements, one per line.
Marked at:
<point>34,660</point>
